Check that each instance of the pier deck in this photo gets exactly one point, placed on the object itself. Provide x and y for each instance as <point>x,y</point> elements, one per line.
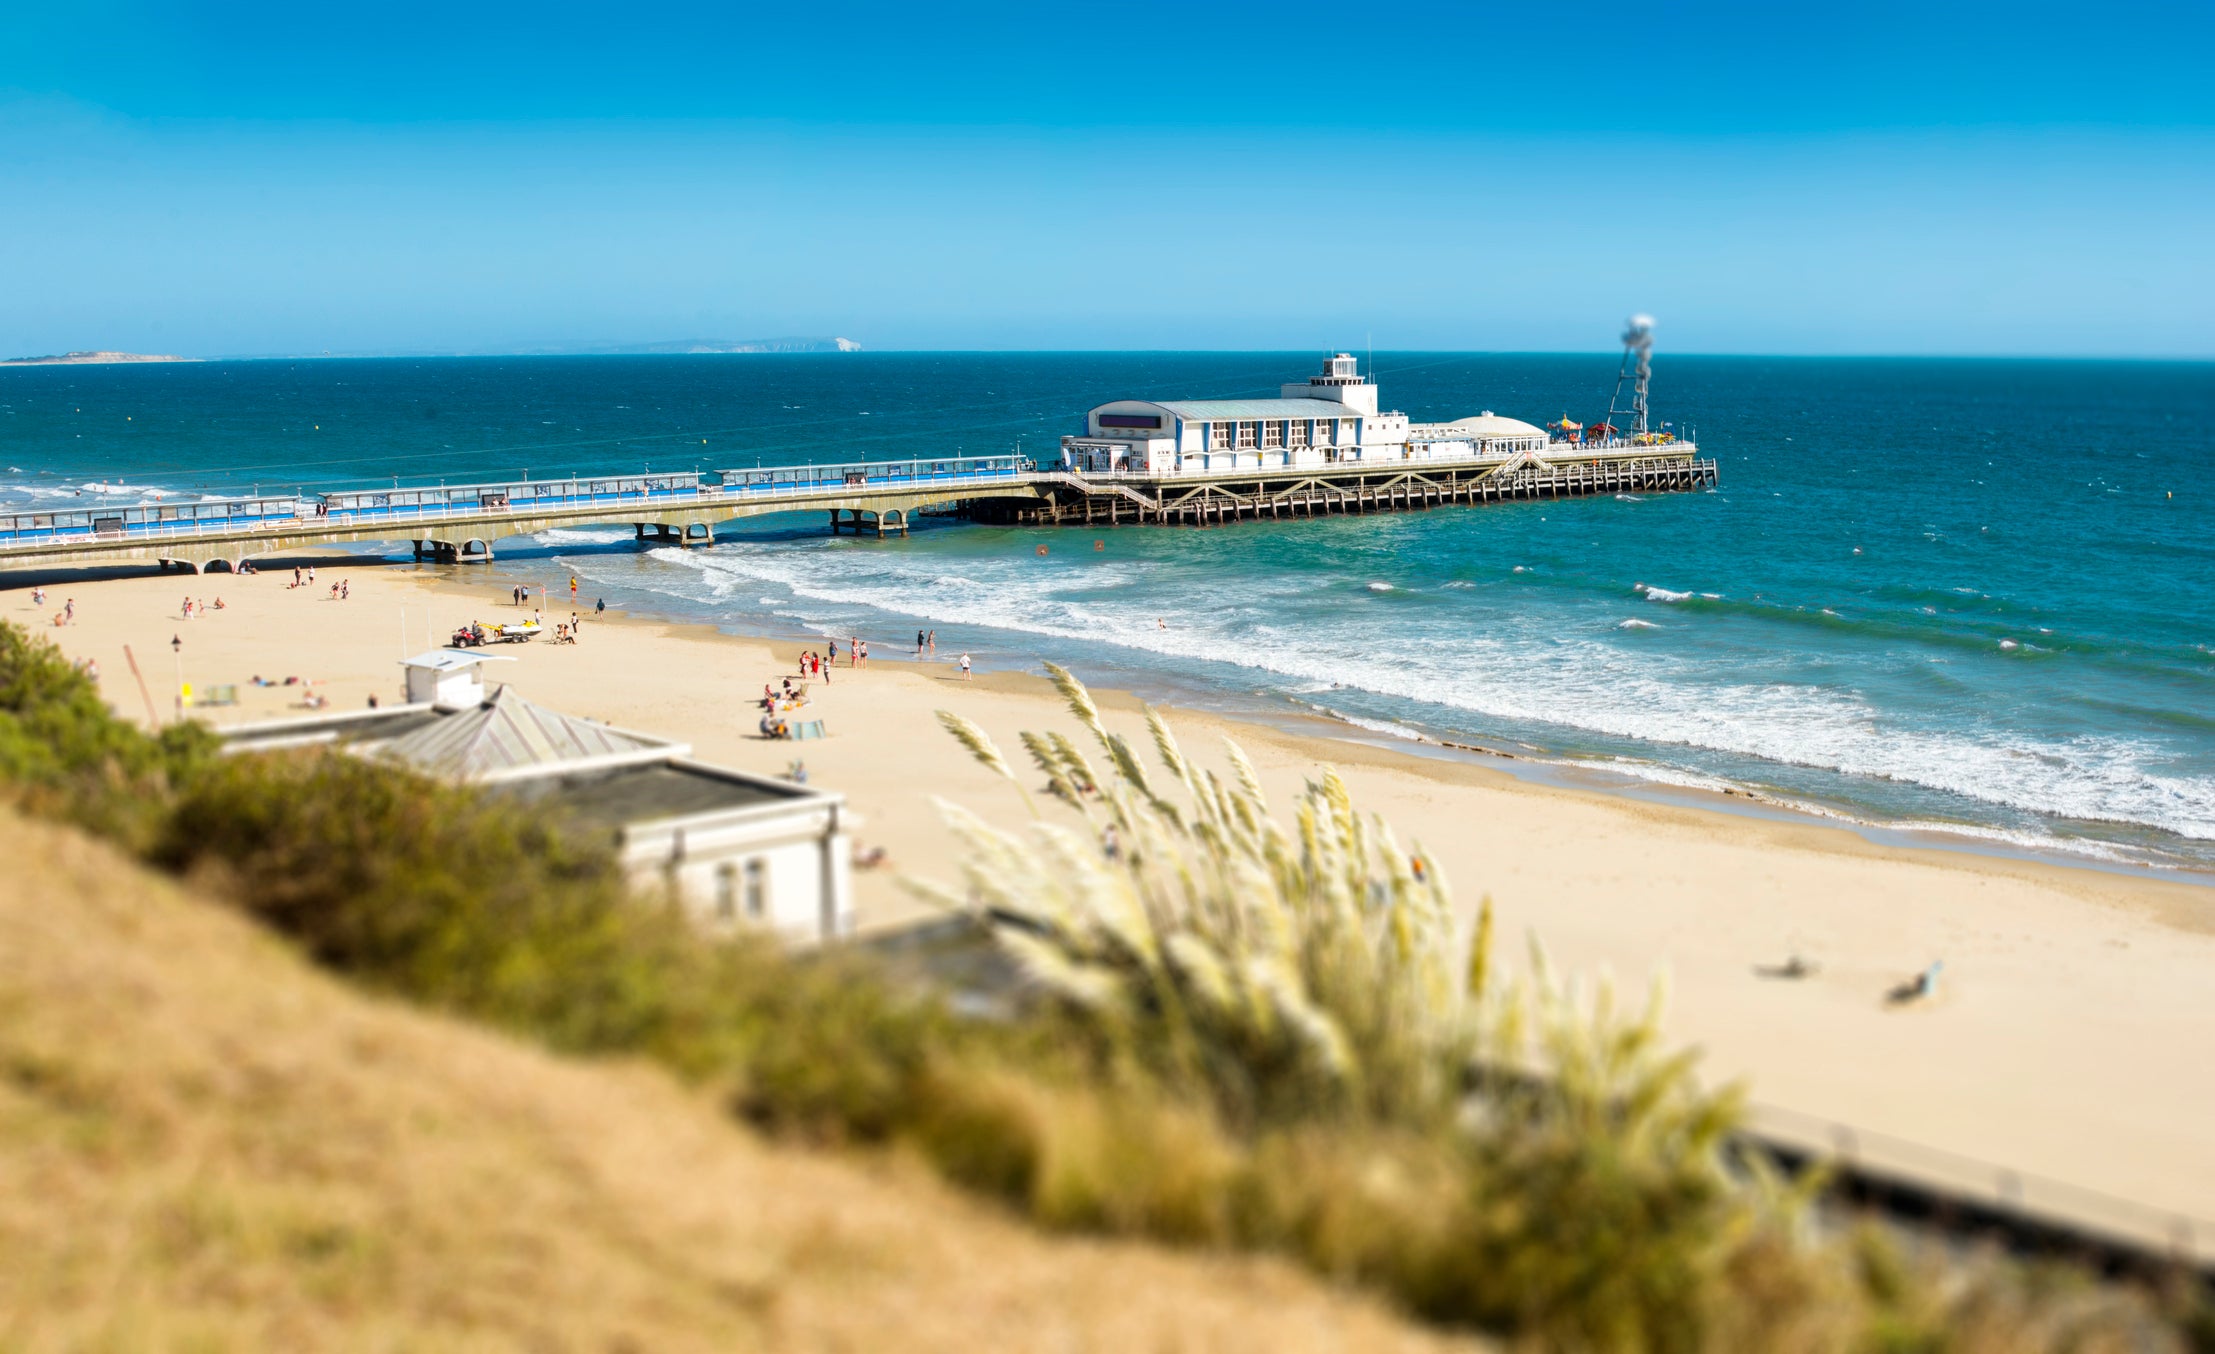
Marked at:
<point>1071,498</point>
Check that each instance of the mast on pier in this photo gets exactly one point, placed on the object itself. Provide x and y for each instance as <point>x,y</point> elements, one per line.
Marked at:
<point>1637,368</point>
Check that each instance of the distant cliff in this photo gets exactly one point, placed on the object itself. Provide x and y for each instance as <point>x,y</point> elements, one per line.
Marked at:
<point>53,359</point>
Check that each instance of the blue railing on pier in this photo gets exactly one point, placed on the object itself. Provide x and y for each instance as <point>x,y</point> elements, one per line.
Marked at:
<point>514,498</point>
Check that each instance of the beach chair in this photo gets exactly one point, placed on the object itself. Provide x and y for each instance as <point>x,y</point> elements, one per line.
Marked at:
<point>811,728</point>
<point>224,694</point>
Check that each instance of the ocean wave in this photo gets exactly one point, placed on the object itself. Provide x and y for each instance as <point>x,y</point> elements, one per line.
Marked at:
<point>1392,728</point>
<point>1635,624</point>
<point>583,536</point>
<point>1542,676</point>
<point>1654,594</point>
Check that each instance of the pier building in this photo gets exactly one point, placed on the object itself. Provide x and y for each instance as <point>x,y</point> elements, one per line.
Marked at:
<point>1331,419</point>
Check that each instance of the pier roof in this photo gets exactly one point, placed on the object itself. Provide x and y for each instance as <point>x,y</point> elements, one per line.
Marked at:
<point>1198,410</point>
<point>1484,425</point>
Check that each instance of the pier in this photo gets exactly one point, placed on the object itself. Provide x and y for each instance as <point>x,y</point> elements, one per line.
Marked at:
<point>462,523</point>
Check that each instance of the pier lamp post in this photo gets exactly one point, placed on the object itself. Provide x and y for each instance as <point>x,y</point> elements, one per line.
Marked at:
<point>177,650</point>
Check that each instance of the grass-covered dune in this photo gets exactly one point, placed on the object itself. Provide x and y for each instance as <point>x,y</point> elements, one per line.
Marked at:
<point>206,1143</point>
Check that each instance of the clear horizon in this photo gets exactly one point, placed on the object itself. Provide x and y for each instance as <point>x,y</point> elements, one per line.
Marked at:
<point>416,181</point>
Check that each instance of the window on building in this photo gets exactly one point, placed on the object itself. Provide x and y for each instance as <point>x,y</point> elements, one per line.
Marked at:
<point>726,891</point>
<point>1272,433</point>
<point>1295,433</point>
<point>757,890</point>
<point>1247,432</point>
<point>1221,435</point>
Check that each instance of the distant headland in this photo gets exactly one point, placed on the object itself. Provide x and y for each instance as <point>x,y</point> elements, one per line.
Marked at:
<point>86,359</point>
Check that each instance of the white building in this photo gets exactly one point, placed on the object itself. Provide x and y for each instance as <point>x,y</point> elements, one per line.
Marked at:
<point>1481,437</point>
<point>1331,419</point>
<point>735,849</point>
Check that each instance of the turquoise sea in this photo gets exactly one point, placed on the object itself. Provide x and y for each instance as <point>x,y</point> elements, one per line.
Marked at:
<point>1970,594</point>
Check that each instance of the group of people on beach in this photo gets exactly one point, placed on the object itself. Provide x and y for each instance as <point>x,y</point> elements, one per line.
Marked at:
<point>193,607</point>
<point>66,616</point>
<point>777,703</point>
<point>298,580</point>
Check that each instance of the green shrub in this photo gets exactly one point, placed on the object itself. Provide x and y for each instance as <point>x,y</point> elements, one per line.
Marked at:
<point>63,754</point>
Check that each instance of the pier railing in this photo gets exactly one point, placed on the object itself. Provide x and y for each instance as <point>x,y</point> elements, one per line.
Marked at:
<point>34,531</point>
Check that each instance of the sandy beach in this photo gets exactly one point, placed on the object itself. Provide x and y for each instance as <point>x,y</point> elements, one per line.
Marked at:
<point>2065,1040</point>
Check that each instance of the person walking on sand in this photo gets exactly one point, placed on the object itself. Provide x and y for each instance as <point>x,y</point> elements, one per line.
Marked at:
<point>603,606</point>
<point>69,611</point>
<point>345,589</point>
<point>311,575</point>
<point>965,667</point>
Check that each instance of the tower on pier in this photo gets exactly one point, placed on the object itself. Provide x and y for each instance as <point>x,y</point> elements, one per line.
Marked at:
<point>1637,368</point>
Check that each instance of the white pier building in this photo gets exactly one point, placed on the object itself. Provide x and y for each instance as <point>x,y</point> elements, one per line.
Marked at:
<point>1331,419</point>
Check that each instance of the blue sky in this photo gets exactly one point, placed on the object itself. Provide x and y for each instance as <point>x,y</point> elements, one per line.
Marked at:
<point>407,177</point>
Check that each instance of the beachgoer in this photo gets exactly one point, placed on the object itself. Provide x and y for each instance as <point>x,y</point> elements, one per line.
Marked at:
<point>92,669</point>
<point>69,611</point>
<point>372,700</point>
<point>311,575</point>
<point>186,610</point>
<point>1109,845</point>
<point>918,646</point>
<point>296,575</point>
<point>218,604</point>
<point>834,653</point>
<point>965,667</point>
<point>38,597</point>
<point>853,651</point>
<point>572,587</point>
<point>601,607</point>
<point>345,589</point>
<point>933,645</point>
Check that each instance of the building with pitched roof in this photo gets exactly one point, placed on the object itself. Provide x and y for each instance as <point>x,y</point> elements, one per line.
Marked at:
<point>735,849</point>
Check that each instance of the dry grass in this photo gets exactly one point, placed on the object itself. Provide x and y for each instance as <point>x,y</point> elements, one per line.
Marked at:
<point>206,1144</point>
